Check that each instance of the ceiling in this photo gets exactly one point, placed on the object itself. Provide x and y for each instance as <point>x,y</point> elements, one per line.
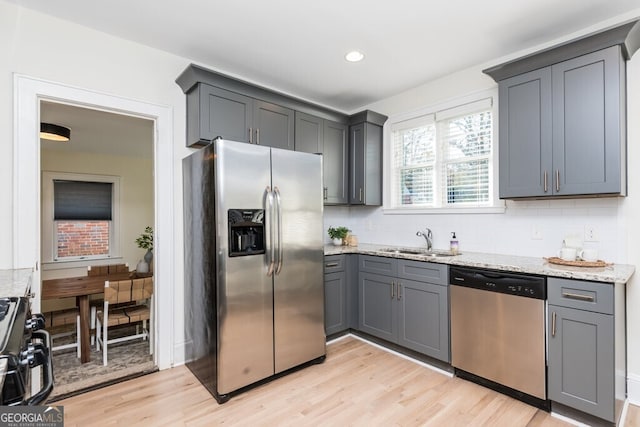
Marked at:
<point>98,132</point>
<point>298,47</point>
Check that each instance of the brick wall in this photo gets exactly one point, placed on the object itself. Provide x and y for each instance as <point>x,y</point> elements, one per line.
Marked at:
<point>82,238</point>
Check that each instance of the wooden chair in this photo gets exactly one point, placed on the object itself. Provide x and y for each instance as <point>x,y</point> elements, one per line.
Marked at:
<point>101,270</point>
<point>104,270</point>
<point>120,292</point>
<point>59,323</point>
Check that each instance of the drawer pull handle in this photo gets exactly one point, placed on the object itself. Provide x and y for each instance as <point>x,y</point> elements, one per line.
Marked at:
<point>393,287</point>
<point>399,291</point>
<point>546,186</point>
<point>331,264</point>
<point>553,324</point>
<point>580,297</point>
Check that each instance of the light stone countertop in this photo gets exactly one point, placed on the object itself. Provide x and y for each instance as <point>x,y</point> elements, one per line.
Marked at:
<point>616,273</point>
<point>15,283</point>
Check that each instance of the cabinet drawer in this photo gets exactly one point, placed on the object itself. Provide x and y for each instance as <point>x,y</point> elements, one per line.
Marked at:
<point>590,296</point>
<point>423,271</point>
<point>378,265</point>
<point>333,263</point>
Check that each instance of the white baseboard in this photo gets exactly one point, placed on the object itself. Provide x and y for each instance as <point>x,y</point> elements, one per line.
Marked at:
<point>633,389</point>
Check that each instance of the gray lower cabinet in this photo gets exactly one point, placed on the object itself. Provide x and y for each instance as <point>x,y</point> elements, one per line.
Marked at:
<point>317,135</point>
<point>335,309</point>
<point>338,298</point>
<point>405,302</point>
<point>213,112</point>
<point>582,363</point>
<point>562,128</point>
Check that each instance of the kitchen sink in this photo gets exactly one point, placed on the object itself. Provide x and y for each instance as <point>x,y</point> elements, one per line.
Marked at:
<point>424,252</point>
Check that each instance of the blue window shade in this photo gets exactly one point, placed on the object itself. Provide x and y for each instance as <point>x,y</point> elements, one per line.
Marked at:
<point>78,200</point>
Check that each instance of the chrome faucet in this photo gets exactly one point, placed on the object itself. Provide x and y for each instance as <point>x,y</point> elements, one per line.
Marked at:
<point>427,236</point>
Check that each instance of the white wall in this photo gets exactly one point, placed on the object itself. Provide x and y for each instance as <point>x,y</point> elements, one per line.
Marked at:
<point>42,47</point>
<point>615,219</point>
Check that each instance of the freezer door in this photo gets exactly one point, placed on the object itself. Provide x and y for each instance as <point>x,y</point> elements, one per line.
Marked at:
<point>298,278</point>
<point>245,292</point>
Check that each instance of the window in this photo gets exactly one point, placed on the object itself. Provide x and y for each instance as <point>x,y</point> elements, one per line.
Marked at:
<point>79,216</point>
<point>444,159</point>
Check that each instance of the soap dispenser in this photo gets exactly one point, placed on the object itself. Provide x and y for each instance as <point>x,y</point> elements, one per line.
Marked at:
<point>453,244</point>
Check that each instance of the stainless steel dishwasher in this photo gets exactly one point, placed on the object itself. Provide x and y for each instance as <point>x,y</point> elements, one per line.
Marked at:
<point>498,331</point>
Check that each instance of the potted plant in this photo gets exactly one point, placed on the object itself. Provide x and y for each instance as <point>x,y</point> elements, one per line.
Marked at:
<point>338,234</point>
<point>145,241</point>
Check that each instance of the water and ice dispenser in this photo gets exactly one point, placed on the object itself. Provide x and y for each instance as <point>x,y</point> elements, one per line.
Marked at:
<point>246,232</point>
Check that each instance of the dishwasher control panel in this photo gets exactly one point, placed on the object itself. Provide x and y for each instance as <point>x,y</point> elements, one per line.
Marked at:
<point>499,281</point>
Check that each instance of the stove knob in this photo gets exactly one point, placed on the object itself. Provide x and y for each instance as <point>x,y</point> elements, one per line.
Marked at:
<point>26,356</point>
<point>36,322</point>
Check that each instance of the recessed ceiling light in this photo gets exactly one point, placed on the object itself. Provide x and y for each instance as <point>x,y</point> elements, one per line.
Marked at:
<point>354,56</point>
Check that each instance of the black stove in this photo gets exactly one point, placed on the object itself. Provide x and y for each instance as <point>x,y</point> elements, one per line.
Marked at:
<point>24,345</point>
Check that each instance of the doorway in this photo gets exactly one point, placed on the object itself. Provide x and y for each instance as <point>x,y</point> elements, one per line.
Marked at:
<point>27,193</point>
<point>97,199</point>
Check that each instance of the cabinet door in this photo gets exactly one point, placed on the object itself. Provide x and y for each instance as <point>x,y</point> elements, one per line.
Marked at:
<point>309,133</point>
<point>273,125</point>
<point>588,106</point>
<point>365,157</point>
<point>581,360</point>
<point>335,308</point>
<point>357,163</point>
<point>378,310</point>
<point>222,113</point>
<point>424,318</point>
<point>335,164</point>
<point>525,135</point>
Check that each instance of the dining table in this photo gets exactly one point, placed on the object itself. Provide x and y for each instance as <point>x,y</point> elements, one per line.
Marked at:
<point>81,287</point>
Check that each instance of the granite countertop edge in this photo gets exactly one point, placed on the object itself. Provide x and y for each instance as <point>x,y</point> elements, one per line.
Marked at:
<point>15,283</point>
<point>615,273</point>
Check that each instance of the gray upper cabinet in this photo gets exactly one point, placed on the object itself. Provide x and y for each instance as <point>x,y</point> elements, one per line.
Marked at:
<point>365,157</point>
<point>220,105</point>
<point>525,134</point>
<point>309,133</point>
<point>562,129</point>
<point>273,125</point>
<point>588,124</point>
<point>316,135</point>
<point>222,113</point>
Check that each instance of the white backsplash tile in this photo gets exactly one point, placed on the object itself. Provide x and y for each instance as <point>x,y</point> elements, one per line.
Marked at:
<point>507,233</point>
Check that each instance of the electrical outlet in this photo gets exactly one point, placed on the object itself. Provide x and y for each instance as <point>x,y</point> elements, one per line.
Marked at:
<point>536,233</point>
<point>591,234</point>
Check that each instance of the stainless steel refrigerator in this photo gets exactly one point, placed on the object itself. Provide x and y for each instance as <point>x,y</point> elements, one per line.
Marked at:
<point>254,296</point>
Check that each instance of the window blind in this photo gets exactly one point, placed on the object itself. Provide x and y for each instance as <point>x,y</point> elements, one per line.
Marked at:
<point>444,159</point>
<point>466,151</point>
<point>414,165</point>
<point>79,200</point>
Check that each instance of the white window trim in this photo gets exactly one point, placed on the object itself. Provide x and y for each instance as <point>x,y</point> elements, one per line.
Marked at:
<point>48,239</point>
<point>454,103</point>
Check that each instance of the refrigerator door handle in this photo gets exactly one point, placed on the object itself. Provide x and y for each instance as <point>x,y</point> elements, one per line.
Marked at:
<point>270,214</point>
<point>280,249</point>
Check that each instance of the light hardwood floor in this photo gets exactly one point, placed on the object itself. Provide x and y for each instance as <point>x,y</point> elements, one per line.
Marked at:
<point>358,384</point>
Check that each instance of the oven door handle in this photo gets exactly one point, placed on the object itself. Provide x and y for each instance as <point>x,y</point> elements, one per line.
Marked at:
<point>42,356</point>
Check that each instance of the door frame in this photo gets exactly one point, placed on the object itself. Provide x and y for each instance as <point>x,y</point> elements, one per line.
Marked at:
<point>28,92</point>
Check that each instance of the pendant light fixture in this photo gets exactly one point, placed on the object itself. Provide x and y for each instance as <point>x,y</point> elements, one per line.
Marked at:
<point>54,132</point>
